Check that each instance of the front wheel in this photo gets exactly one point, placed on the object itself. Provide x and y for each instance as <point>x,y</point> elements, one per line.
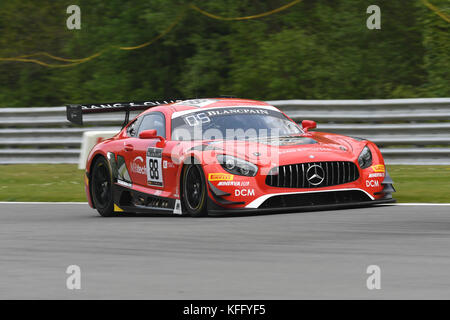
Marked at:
<point>194,190</point>
<point>101,188</point>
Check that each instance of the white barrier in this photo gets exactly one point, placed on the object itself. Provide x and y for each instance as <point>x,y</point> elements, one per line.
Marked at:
<point>90,139</point>
<point>408,131</point>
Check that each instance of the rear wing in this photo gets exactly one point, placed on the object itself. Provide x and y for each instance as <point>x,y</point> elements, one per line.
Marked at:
<point>75,111</point>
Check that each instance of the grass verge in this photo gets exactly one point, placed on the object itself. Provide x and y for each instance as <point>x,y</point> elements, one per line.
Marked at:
<point>64,182</point>
<point>421,183</point>
<point>41,182</point>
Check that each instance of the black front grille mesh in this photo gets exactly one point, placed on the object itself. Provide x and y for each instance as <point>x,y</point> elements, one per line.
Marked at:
<point>313,174</point>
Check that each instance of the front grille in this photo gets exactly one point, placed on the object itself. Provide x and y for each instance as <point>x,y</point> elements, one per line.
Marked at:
<point>313,174</point>
<point>315,198</point>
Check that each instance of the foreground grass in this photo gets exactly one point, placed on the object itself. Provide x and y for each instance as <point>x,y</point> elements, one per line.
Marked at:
<point>421,183</point>
<point>65,183</point>
<point>41,182</point>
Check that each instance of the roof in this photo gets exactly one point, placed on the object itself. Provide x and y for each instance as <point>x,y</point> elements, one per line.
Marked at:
<point>207,103</point>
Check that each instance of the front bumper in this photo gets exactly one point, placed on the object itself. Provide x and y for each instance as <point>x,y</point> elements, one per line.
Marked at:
<point>367,189</point>
<point>214,209</point>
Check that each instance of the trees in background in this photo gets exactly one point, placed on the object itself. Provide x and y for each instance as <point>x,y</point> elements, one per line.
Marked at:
<point>317,49</point>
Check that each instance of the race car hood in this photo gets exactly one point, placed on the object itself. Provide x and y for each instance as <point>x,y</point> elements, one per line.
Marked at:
<point>309,147</point>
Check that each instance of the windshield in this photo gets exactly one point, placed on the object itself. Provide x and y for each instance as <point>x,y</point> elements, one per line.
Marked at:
<point>232,123</point>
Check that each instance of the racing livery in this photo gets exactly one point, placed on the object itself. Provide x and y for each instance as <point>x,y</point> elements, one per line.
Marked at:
<point>213,156</point>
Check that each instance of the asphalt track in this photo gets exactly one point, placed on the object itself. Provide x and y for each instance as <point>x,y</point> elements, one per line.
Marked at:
<point>306,255</point>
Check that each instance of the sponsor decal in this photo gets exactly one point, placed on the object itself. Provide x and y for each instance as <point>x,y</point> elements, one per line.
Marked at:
<point>224,111</point>
<point>287,151</point>
<point>320,149</point>
<point>131,104</point>
<point>372,183</point>
<point>244,192</point>
<point>168,164</point>
<point>124,183</point>
<point>378,168</point>
<point>205,117</point>
<point>209,112</point>
<point>154,167</point>
<point>138,166</point>
<point>205,108</point>
<point>377,175</point>
<point>196,119</point>
<point>220,177</point>
<point>287,141</point>
<point>234,183</point>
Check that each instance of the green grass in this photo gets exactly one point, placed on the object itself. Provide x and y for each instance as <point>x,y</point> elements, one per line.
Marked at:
<point>41,182</point>
<point>421,183</point>
<point>65,183</point>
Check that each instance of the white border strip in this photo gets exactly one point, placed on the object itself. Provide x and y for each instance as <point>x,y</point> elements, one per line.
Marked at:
<point>258,201</point>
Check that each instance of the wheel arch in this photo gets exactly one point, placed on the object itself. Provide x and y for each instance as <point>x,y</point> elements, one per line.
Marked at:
<point>187,160</point>
<point>190,159</point>
<point>89,172</point>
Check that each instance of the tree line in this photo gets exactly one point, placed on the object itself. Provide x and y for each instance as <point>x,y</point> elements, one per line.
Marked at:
<point>316,49</point>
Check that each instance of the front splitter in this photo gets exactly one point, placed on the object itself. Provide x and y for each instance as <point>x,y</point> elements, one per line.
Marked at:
<point>216,210</point>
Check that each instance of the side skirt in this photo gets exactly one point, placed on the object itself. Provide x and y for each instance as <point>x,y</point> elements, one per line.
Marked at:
<point>129,200</point>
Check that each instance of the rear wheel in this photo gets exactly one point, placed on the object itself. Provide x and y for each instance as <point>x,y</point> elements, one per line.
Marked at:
<point>101,188</point>
<point>194,190</point>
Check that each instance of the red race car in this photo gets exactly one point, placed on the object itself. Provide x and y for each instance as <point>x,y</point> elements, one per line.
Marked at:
<point>225,155</point>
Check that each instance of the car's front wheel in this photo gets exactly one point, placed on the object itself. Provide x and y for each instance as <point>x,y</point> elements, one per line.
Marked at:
<point>101,188</point>
<point>194,190</point>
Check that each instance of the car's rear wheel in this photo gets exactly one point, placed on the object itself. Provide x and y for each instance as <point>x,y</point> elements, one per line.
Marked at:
<point>101,188</point>
<point>194,190</point>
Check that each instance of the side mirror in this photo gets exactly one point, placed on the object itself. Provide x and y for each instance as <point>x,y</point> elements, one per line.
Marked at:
<point>308,124</point>
<point>148,134</point>
<point>152,134</point>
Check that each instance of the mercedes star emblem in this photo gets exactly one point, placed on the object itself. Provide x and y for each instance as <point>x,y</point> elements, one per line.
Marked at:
<point>315,175</point>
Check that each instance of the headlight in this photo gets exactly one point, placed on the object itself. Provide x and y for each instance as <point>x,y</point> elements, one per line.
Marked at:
<point>365,158</point>
<point>237,166</point>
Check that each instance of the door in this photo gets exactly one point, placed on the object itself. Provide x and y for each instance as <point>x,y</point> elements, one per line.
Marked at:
<point>144,158</point>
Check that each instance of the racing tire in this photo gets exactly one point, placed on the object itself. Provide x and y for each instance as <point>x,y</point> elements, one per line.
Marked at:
<point>101,188</point>
<point>194,191</point>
